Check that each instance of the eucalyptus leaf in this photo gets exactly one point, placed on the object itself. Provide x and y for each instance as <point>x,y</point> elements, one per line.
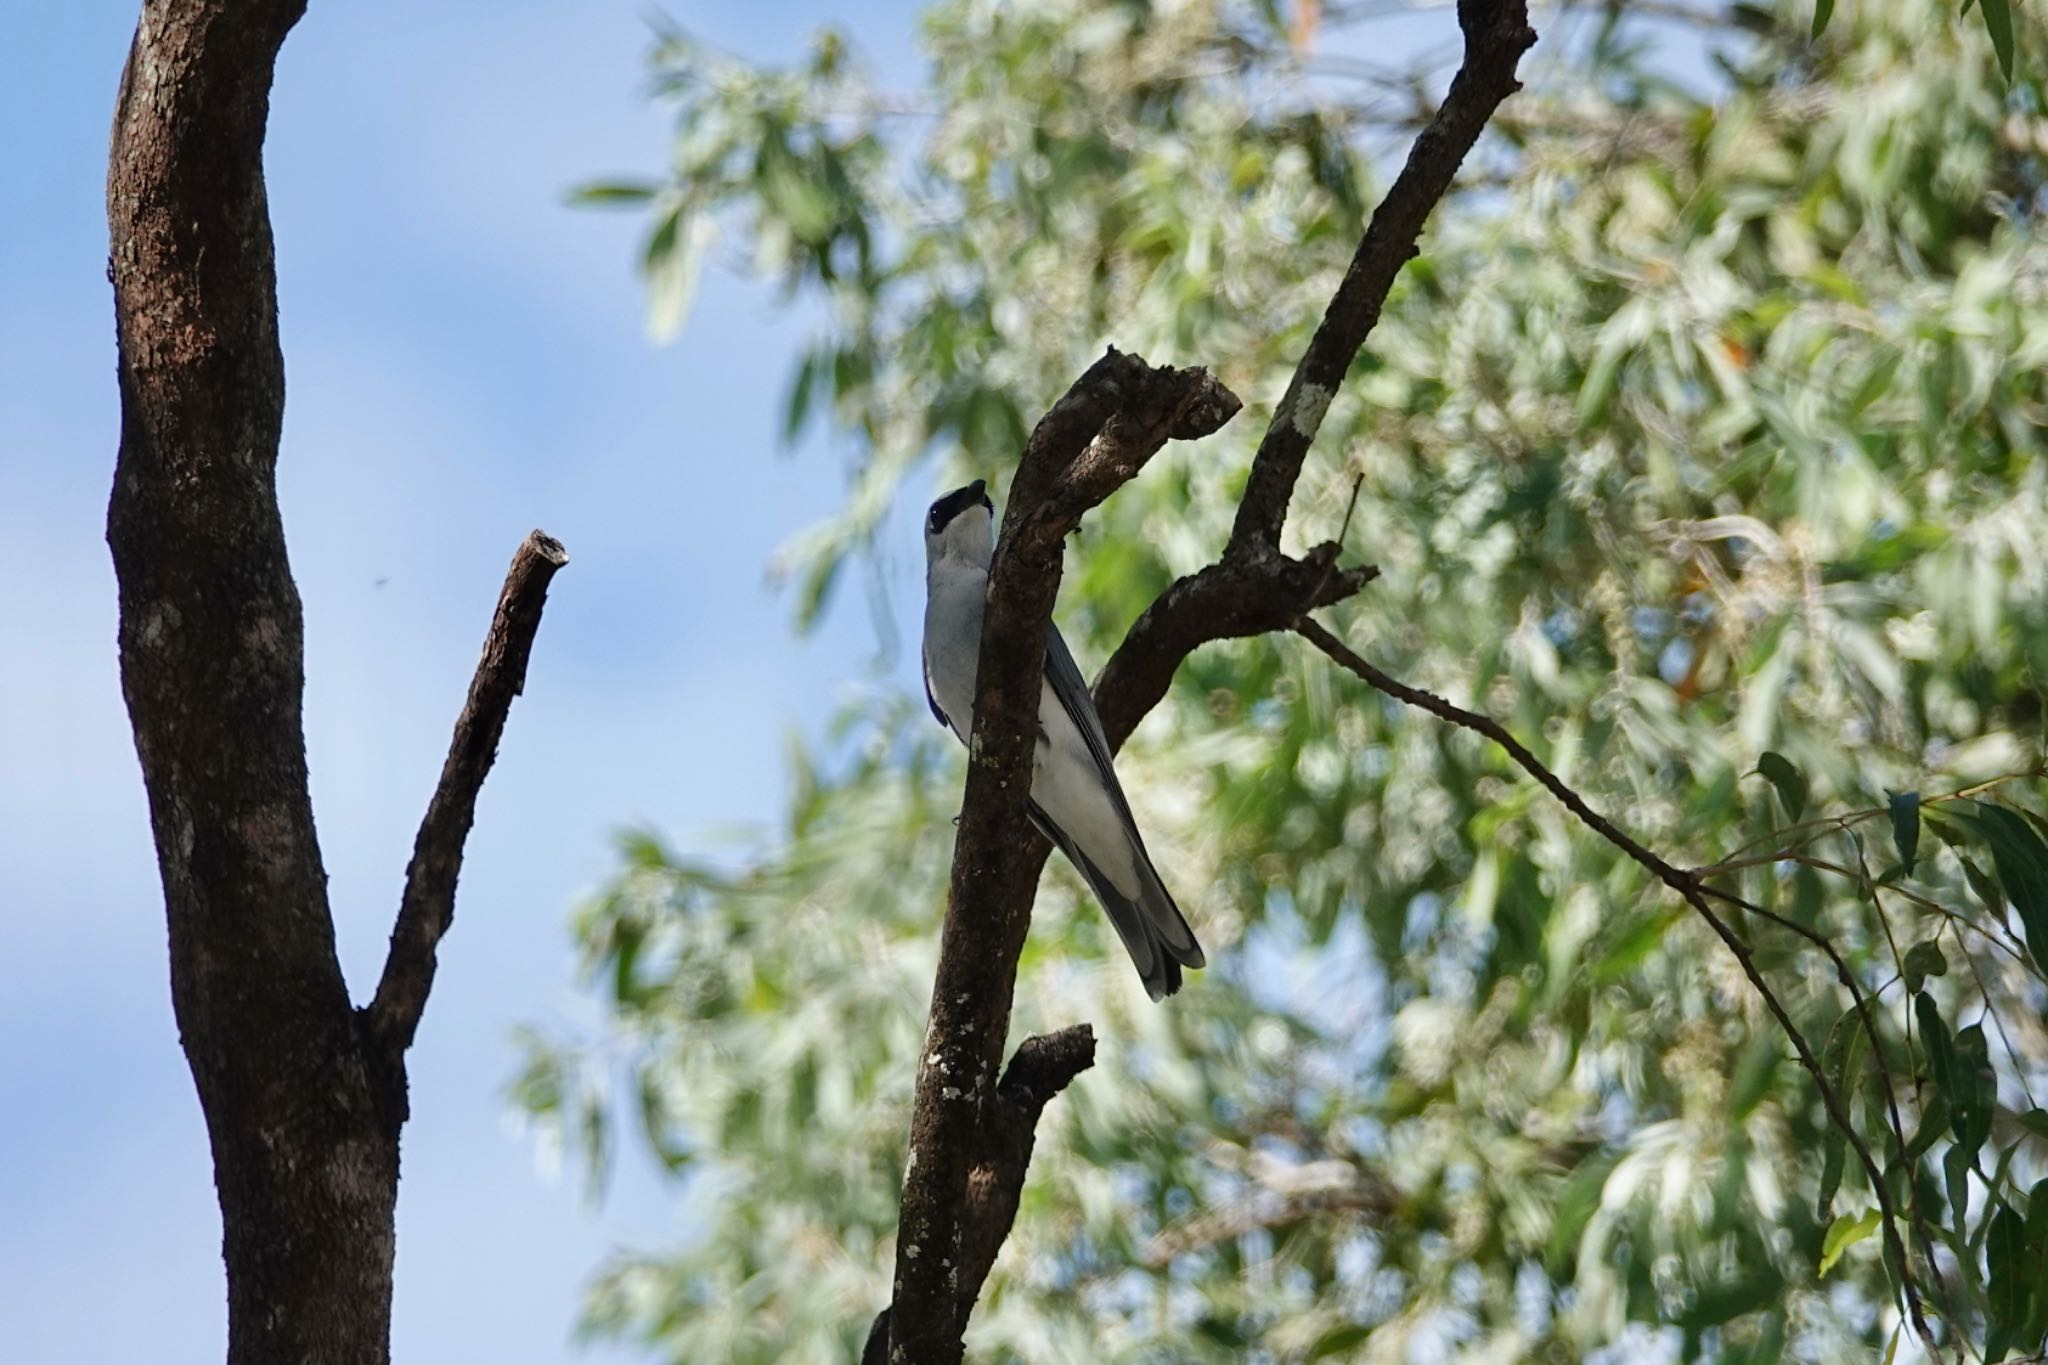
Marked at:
<point>1844,1233</point>
<point>1905,813</point>
<point>1789,781</point>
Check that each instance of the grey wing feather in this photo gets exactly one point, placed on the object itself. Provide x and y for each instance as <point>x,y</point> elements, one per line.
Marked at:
<point>1170,926</point>
<point>929,699</point>
<point>1072,690</point>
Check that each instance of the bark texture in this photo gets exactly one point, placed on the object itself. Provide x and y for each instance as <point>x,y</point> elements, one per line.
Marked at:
<point>303,1101</point>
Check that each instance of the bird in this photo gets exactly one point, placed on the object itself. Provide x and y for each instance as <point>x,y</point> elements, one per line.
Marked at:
<point>1076,800</point>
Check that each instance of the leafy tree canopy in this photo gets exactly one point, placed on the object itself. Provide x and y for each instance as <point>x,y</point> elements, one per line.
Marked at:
<point>1701,447</point>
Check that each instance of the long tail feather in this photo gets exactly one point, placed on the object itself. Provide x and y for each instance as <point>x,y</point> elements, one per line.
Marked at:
<point>1152,928</point>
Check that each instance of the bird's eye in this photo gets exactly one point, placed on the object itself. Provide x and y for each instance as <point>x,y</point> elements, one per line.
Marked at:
<point>931,522</point>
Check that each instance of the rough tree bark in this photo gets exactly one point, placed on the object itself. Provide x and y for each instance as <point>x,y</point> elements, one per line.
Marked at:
<point>303,1094</point>
<point>1093,440</point>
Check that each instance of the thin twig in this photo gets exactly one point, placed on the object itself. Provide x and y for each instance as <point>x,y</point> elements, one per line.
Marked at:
<point>1907,894</point>
<point>1820,825</point>
<point>1688,886</point>
<point>1984,990</point>
<point>428,905</point>
<point>1864,1014</point>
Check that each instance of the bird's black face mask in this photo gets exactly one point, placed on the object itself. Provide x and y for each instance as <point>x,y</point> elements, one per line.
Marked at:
<point>954,503</point>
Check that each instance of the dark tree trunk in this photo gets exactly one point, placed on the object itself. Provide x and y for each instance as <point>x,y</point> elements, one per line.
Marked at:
<point>303,1094</point>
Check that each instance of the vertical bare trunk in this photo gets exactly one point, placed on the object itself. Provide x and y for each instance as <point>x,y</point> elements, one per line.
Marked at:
<point>304,1095</point>
<point>305,1155</point>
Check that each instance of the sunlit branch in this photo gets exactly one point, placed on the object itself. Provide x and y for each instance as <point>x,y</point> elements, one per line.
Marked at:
<point>428,905</point>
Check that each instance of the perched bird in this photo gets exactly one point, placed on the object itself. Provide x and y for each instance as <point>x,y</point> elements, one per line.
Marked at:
<point>1076,800</point>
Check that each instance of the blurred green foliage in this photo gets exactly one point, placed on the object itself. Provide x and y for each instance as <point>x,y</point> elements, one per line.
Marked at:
<point>1701,447</point>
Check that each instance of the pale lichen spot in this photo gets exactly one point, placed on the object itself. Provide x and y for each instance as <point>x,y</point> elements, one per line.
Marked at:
<point>1309,406</point>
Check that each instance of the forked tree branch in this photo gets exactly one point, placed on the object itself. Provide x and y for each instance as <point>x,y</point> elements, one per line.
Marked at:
<point>1695,894</point>
<point>1093,440</point>
<point>1042,1068</point>
<point>1253,588</point>
<point>428,905</point>
<point>303,1108</point>
<point>1096,437</point>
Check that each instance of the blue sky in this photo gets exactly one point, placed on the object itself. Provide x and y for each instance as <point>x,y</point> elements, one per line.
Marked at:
<point>466,360</point>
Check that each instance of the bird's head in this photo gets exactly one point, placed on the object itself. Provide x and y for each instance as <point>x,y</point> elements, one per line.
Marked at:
<point>960,527</point>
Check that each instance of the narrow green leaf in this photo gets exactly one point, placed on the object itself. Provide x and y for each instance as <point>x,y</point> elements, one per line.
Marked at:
<point>1823,10</point>
<point>613,193</point>
<point>1998,1185</point>
<point>1986,889</point>
<point>2036,1326</point>
<point>662,240</point>
<point>2008,1269</point>
<point>1575,1205</point>
<point>1923,959</point>
<point>674,259</point>
<point>1844,1233</point>
<point>2020,858</point>
<point>1977,1089</point>
<point>1934,1120</point>
<point>1790,782</point>
<point>1941,1059</point>
<point>1998,23</point>
<point>1906,827</point>
<point>798,407</point>
<point>1339,1340</point>
<point>1840,1058</point>
<point>1955,1170</point>
<point>1834,1159</point>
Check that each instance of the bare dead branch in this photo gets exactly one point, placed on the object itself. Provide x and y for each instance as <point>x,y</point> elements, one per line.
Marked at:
<point>1042,1067</point>
<point>1689,888</point>
<point>1095,438</point>
<point>1497,33</point>
<point>1231,599</point>
<point>428,905</point>
<point>1254,589</point>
